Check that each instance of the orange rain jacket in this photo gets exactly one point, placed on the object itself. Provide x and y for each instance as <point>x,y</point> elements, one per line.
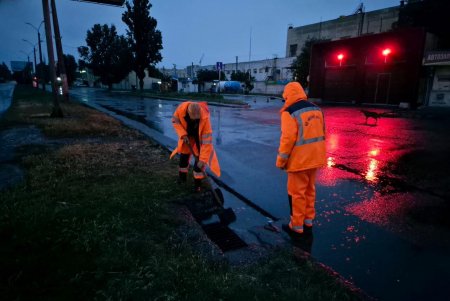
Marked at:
<point>302,142</point>
<point>207,152</point>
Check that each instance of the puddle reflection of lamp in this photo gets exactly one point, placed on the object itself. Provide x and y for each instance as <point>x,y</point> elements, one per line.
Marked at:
<point>374,152</point>
<point>371,171</point>
<point>330,162</point>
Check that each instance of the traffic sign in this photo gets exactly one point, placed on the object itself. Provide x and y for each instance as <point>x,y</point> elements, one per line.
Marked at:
<point>219,65</point>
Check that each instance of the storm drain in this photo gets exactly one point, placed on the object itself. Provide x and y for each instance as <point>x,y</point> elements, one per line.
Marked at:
<point>223,237</point>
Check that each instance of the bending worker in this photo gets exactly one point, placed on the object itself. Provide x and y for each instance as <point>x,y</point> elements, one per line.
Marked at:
<point>192,124</point>
<point>300,154</point>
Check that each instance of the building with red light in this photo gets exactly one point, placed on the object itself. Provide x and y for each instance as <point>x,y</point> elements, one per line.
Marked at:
<point>382,68</point>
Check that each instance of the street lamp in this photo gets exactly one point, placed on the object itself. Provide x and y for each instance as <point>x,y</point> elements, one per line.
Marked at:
<point>340,57</point>
<point>386,52</point>
<point>34,53</point>
<point>41,75</point>
<point>28,71</point>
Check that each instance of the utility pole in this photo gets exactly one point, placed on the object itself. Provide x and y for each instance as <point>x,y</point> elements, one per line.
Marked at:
<point>41,72</point>
<point>57,112</point>
<point>34,54</point>
<point>59,51</point>
<point>250,50</point>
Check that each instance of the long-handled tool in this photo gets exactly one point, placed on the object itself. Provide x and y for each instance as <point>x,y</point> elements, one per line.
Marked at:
<point>226,216</point>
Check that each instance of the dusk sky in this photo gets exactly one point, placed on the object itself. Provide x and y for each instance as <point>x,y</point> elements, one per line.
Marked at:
<point>219,30</point>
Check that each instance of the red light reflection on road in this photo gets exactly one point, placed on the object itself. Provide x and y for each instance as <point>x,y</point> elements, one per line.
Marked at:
<point>330,162</point>
<point>371,174</point>
<point>372,169</point>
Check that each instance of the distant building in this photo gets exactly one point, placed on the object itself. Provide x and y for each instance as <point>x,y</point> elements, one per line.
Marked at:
<point>271,75</point>
<point>410,63</point>
<point>17,66</point>
<point>131,82</point>
<point>344,27</point>
<point>383,68</point>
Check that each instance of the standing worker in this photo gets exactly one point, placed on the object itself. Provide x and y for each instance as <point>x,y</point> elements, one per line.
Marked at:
<point>192,124</point>
<point>300,154</point>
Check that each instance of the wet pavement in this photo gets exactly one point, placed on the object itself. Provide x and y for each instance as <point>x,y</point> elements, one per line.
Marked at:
<point>363,229</point>
<point>6,91</point>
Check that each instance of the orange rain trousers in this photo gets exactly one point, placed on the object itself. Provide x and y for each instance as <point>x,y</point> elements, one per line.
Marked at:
<point>302,192</point>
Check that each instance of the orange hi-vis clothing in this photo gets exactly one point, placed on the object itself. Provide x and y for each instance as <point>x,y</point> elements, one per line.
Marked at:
<point>302,142</point>
<point>301,152</point>
<point>205,150</point>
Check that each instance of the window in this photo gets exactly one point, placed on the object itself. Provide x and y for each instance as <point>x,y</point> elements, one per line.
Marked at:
<point>293,50</point>
<point>255,70</point>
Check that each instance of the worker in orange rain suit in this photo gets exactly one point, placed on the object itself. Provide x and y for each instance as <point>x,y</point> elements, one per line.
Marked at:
<point>192,124</point>
<point>300,154</point>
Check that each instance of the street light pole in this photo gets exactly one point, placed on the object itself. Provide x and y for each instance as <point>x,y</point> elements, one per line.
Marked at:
<point>59,52</point>
<point>41,73</point>
<point>57,112</point>
<point>34,54</point>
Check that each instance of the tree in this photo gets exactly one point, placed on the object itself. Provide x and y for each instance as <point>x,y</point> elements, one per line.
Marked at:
<point>431,15</point>
<point>43,70</point>
<point>71,68</point>
<point>244,77</point>
<point>204,76</point>
<point>5,74</point>
<point>24,76</point>
<point>145,40</point>
<point>106,54</point>
<point>300,65</point>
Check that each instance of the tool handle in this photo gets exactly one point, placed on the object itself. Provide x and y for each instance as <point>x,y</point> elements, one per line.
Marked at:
<point>216,197</point>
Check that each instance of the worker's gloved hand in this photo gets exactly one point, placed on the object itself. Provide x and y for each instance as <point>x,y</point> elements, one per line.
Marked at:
<point>185,139</point>
<point>201,165</point>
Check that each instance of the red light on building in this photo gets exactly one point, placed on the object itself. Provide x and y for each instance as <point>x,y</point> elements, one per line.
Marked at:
<point>386,51</point>
<point>340,57</point>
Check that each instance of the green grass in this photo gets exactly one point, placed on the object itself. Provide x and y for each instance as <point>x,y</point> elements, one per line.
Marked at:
<point>97,221</point>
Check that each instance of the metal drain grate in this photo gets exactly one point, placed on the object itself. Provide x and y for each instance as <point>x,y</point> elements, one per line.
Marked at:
<point>223,237</point>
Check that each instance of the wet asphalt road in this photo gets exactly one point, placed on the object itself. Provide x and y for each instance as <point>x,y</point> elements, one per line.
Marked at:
<point>359,229</point>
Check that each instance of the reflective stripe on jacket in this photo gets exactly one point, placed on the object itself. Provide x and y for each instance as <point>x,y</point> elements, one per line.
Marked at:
<point>302,141</point>
<point>207,152</point>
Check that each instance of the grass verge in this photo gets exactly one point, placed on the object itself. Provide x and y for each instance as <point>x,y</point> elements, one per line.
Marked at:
<point>94,220</point>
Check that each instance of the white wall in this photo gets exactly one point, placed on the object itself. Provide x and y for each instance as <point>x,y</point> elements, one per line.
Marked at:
<point>440,93</point>
<point>131,80</point>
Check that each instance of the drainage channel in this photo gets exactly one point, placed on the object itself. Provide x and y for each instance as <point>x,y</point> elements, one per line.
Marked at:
<point>218,232</point>
<point>207,214</point>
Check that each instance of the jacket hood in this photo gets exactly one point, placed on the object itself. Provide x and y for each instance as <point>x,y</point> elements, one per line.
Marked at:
<point>293,92</point>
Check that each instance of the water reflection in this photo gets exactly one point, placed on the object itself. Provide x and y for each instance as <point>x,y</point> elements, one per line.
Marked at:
<point>219,134</point>
<point>330,162</point>
<point>371,174</point>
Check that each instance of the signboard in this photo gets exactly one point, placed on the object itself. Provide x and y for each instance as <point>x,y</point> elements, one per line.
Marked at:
<point>219,66</point>
<point>17,66</point>
<point>437,58</point>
